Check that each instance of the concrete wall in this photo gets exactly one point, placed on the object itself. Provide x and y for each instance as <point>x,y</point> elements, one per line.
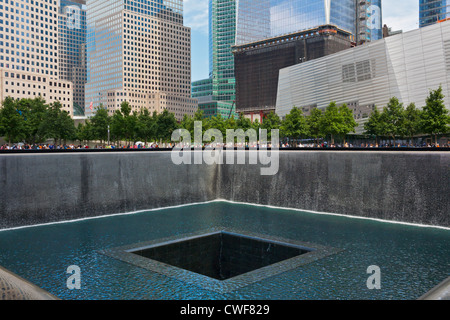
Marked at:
<point>400,186</point>
<point>40,188</point>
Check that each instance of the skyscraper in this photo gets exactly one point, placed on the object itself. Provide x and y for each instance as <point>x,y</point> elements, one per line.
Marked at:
<point>275,34</point>
<point>29,52</point>
<point>139,52</point>
<point>72,48</point>
<point>433,11</point>
<point>369,24</point>
<point>265,19</point>
<point>216,94</point>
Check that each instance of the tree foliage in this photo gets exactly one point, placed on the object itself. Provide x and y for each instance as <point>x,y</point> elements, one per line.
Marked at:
<point>434,118</point>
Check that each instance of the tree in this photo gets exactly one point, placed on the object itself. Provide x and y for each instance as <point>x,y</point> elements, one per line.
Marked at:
<point>271,122</point>
<point>294,125</point>
<point>100,122</point>
<point>55,124</point>
<point>374,126</point>
<point>66,125</point>
<point>146,126</point>
<point>218,123</point>
<point>125,123</point>
<point>12,123</point>
<point>243,123</point>
<point>117,126</point>
<point>411,121</point>
<point>331,121</point>
<point>434,117</point>
<point>348,123</point>
<point>231,123</point>
<point>392,119</point>
<point>314,121</point>
<point>34,112</point>
<point>256,125</point>
<point>84,132</point>
<point>166,124</point>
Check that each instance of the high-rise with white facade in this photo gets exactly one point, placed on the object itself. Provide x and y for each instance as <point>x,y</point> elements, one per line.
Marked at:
<point>139,52</point>
<point>29,62</point>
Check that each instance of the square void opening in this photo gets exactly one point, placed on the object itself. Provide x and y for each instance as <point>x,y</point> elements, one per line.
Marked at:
<point>221,255</point>
<point>221,260</point>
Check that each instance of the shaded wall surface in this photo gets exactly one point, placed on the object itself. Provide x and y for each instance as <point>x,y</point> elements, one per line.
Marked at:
<point>400,186</point>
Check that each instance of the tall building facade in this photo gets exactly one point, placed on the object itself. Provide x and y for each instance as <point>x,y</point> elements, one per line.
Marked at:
<point>369,21</point>
<point>72,49</point>
<point>433,11</point>
<point>264,19</point>
<point>257,64</point>
<point>216,95</point>
<point>139,52</point>
<point>275,34</point>
<point>29,65</point>
<point>406,66</point>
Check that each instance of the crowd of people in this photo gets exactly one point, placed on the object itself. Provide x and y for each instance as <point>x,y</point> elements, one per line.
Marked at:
<point>285,145</point>
<point>368,145</point>
<point>22,146</point>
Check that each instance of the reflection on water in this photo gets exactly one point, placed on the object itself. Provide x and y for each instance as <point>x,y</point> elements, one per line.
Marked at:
<point>412,260</point>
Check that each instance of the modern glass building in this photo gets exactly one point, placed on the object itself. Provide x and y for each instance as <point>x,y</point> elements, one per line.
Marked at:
<point>257,20</point>
<point>275,34</point>
<point>263,19</point>
<point>216,95</point>
<point>433,11</point>
<point>369,24</point>
<point>257,64</point>
<point>406,66</point>
<point>72,49</point>
<point>139,52</point>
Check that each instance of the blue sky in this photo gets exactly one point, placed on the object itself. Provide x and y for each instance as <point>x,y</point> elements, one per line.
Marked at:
<point>398,14</point>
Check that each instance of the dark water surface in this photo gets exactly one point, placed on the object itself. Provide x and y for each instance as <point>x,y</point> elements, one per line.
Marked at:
<point>412,259</point>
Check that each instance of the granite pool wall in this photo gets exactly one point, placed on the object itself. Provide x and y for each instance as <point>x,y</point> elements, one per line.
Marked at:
<point>404,186</point>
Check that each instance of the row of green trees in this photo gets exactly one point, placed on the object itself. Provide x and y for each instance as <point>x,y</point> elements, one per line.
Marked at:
<point>396,121</point>
<point>33,121</point>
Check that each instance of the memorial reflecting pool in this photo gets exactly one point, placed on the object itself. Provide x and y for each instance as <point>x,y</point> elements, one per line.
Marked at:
<point>318,256</point>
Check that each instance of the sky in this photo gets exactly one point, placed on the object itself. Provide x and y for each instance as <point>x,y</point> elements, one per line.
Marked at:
<point>398,14</point>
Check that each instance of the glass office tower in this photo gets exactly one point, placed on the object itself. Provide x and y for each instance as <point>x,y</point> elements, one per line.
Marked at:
<point>216,94</point>
<point>140,52</point>
<point>72,48</point>
<point>222,25</point>
<point>262,19</point>
<point>433,11</point>
<point>369,24</point>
